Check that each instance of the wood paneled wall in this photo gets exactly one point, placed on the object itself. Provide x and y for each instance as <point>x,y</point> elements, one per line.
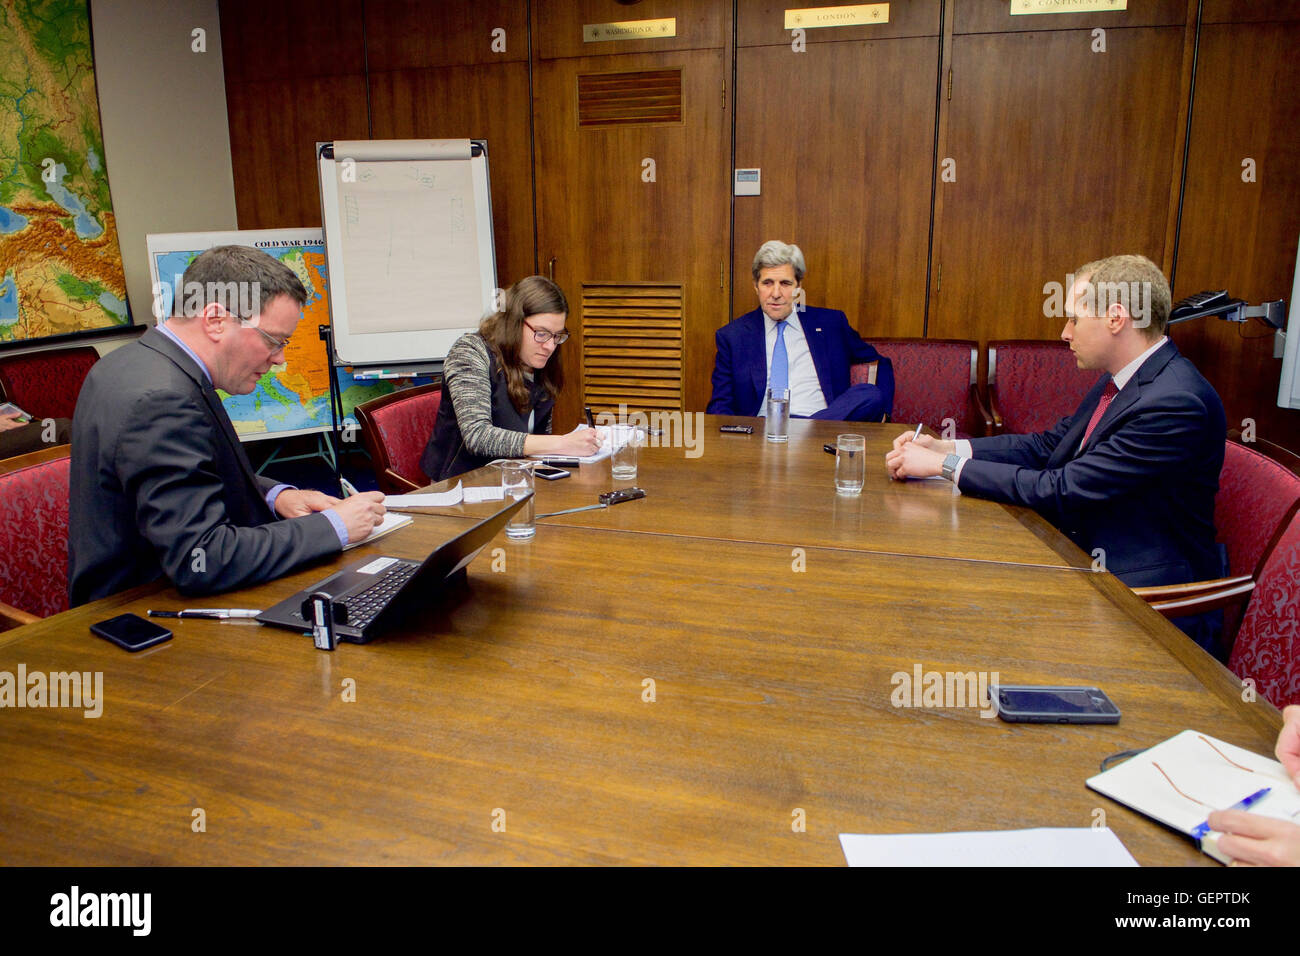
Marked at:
<point>938,170</point>
<point>295,76</point>
<point>439,77</point>
<point>1237,234</point>
<point>842,127</point>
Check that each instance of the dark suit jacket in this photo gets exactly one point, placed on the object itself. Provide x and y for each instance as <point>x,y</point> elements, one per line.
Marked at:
<point>161,485</point>
<point>1142,489</point>
<point>740,370</point>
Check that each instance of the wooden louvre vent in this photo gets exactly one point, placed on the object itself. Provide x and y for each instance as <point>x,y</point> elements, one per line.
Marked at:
<point>632,345</point>
<point>637,98</point>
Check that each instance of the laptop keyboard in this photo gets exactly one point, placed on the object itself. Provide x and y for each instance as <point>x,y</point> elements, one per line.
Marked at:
<point>365,605</point>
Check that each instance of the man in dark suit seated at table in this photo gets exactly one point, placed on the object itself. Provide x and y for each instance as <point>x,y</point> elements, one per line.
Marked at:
<point>159,481</point>
<point>1131,476</point>
<point>808,351</point>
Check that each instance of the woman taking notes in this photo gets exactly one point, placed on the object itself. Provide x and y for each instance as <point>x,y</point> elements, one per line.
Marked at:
<point>499,386</point>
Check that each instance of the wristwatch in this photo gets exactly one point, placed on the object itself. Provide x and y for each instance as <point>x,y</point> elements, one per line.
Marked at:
<point>949,466</point>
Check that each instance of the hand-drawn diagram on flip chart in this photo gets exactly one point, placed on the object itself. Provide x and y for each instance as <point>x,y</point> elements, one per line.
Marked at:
<point>408,236</point>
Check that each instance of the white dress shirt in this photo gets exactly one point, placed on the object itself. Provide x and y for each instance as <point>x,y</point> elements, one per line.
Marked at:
<point>806,396</point>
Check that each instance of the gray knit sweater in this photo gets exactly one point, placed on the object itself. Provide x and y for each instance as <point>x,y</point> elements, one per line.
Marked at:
<point>466,370</point>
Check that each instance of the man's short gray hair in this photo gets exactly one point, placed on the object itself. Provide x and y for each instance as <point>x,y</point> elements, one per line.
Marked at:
<point>774,252</point>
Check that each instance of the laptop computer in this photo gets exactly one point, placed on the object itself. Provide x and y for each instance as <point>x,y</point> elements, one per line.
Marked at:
<point>369,594</point>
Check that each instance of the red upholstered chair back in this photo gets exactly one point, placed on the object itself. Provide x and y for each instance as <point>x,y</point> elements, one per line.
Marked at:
<point>932,381</point>
<point>395,429</point>
<point>1267,649</point>
<point>46,384</point>
<point>1255,494</point>
<point>1033,385</point>
<point>34,537</point>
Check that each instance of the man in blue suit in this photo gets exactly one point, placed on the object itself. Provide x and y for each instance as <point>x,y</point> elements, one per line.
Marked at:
<point>1131,476</point>
<point>808,351</point>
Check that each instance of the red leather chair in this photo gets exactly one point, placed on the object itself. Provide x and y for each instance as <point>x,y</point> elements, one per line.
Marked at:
<point>34,536</point>
<point>46,384</point>
<point>936,379</point>
<point>1267,649</point>
<point>1033,385</point>
<point>395,429</point>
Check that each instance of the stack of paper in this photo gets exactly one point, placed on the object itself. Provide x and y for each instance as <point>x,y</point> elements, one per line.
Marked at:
<point>442,499</point>
<point>1086,846</point>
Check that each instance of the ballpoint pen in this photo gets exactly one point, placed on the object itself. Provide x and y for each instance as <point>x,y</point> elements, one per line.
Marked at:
<point>216,613</point>
<point>1242,804</point>
<point>348,488</point>
<point>917,434</point>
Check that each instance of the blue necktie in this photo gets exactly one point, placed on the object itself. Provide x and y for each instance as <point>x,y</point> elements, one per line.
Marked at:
<point>780,377</point>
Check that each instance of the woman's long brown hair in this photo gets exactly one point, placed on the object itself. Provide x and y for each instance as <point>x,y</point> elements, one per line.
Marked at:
<point>503,331</point>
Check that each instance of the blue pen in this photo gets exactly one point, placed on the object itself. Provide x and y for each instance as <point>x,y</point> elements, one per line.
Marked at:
<point>348,489</point>
<point>1243,804</point>
<point>917,433</point>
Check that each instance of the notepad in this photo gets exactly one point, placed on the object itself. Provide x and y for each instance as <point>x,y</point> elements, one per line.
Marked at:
<point>1180,781</point>
<point>390,524</point>
<point>606,447</point>
<point>1043,846</point>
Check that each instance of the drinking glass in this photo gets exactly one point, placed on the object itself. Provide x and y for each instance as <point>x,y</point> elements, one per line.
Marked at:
<point>777,425</point>
<point>516,482</point>
<point>850,464</point>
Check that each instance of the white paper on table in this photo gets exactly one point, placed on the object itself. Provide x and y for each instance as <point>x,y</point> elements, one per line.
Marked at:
<point>440,499</point>
<point>606,447</point>
<point>391,522</point>
<point>1044,846</point>
<point>437,499</point>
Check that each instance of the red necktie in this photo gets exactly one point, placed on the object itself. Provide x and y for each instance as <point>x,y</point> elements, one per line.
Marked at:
<point>1107,396</point>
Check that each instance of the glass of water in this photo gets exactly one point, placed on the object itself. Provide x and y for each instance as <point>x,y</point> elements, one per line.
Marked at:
<point>625,440</point>
<point>516,482</point>
<point>777,425</point>
<point>850,464</point>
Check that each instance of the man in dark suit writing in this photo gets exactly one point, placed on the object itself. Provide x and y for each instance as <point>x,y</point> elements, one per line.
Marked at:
<point>1130,476</point>
<point>159,481</point>
<point>806,350</point>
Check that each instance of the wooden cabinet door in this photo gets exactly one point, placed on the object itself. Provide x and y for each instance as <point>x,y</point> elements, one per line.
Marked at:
<point>1051,154</point>
<point>632,165</point>
<point>841,123</point>
<point>1241,205</point>
<point>461,75</point>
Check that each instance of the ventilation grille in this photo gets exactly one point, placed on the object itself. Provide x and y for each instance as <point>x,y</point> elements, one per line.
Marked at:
<point>632,346</point>
<point>629,99</point>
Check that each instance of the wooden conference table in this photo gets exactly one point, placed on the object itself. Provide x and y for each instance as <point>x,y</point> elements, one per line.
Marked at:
<point>512,722</point>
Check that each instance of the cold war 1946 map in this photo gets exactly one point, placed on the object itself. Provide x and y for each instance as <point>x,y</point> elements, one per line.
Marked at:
<point>292,399</point>
<point>60,264</point>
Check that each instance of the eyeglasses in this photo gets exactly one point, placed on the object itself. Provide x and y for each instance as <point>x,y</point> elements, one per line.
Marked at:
<point>542,336</point>
<point>276,345</point>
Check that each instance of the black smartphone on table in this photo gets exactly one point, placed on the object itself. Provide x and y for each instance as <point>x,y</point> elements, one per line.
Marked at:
<point>131,632</point>
<point>1054,705</point>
